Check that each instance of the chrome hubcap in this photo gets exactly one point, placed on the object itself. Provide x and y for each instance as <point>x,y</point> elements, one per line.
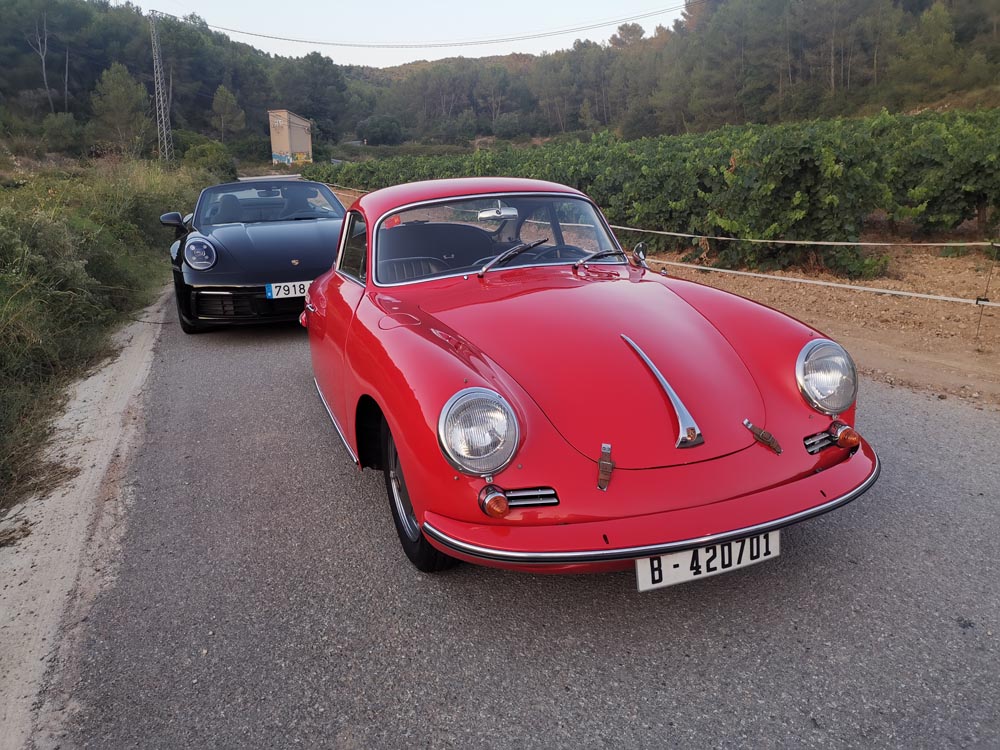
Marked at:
<point>400,497</point>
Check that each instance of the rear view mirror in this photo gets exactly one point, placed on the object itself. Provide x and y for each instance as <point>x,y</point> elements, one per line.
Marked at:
<point>500,213</point>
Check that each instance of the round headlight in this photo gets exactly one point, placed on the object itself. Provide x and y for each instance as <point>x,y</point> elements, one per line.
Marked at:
<point>827,377</point>
<point>199,254</point>
<point>478,431</point>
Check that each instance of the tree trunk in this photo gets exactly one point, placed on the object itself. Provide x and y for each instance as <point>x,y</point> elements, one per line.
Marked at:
<point>40,45</point>
<point>833,53</point>
<point>66,84</point>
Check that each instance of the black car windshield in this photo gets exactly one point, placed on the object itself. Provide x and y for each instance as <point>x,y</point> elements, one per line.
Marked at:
<point>260,201</point>
<point>463,235</point>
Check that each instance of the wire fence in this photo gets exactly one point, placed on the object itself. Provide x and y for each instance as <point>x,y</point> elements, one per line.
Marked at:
<point>981,301</point>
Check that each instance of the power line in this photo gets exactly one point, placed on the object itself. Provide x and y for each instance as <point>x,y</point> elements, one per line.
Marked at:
<point>466,43</point>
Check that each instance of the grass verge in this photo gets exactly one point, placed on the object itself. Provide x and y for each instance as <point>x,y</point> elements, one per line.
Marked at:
<point>81,248</point>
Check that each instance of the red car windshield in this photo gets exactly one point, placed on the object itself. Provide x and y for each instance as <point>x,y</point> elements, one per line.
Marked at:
<point>464,235</point>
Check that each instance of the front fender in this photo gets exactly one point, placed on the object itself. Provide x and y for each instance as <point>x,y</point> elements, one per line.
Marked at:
<point>411,366</point>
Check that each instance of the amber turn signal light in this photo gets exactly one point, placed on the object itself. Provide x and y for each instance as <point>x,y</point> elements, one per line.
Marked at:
<point>493,501</point>
<point>847,437</point>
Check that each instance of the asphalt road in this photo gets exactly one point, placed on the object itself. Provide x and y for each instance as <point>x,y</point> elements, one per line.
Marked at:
<point>262,599</point>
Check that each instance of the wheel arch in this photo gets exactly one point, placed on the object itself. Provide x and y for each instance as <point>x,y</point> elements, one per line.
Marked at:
<point>368,418</point>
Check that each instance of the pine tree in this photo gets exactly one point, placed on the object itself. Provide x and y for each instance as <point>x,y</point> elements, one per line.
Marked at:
<point>226,113</point>
<point>121,111</point>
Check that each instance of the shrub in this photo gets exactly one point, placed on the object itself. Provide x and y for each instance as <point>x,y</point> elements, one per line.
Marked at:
<point>62,133</point>
<point>78,250</point>
<point>254,147</point>
<point>213,158</point>
<point>380,130</point>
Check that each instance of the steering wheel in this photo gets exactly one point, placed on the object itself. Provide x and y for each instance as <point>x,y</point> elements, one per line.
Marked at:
<point>577,252</point>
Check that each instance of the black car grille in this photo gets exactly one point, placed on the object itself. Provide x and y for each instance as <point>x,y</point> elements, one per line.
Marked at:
<point>248,303</point>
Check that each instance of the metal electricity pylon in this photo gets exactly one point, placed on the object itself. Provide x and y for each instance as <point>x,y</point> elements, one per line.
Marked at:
<point>163,134</point>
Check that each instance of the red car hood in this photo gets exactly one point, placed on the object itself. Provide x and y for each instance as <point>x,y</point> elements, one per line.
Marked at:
<point>560,337</point>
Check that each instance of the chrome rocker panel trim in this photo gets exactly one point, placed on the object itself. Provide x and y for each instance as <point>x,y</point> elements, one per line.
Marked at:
<point>633,553</point>
<point>335,425</point>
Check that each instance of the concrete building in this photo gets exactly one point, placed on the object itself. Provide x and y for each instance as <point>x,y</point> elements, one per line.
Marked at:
<point>291,137</point>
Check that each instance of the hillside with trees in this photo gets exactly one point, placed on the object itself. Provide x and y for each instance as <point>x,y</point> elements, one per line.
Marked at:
<point>724,62</point>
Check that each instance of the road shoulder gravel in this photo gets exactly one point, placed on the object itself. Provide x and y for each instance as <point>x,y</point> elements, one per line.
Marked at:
<point>51,575</point>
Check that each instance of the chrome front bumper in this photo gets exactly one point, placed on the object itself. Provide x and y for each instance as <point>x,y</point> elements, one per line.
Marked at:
<point>617,554</point>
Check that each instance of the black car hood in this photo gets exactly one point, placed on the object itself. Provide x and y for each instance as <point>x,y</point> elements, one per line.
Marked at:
<point>269,246</point>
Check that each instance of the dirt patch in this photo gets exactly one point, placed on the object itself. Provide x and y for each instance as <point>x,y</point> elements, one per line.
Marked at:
<point>944,347</point>
<point>40,570</point>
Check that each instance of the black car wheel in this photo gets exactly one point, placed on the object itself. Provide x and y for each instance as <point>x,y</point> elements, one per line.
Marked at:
<point>185,326</point>
<point>422,554</point>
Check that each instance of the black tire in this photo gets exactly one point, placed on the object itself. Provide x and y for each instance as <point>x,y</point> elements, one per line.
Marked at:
<point>185,326</point>
<point>424,556</point>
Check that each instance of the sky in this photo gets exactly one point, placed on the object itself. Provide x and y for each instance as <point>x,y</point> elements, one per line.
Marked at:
<point>410,22</point>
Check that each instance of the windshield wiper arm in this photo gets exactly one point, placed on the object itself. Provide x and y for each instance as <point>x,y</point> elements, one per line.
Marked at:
<point>510,253</point>
<point>594,255</point>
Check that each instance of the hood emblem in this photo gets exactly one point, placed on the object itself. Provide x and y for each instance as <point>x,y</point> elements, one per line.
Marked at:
<point>295,261</point>
<point>762,436</point>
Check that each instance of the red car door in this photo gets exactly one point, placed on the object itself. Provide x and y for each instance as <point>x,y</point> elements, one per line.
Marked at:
<point>335,300</point>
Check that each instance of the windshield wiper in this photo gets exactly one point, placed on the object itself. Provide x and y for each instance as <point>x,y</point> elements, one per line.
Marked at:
<point>594,255</point>
<point>510,253</point>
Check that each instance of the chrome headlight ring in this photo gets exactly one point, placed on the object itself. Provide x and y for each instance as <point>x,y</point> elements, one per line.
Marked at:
<point>478,432</point>
<point>827,377</point>
<point>200,254</point>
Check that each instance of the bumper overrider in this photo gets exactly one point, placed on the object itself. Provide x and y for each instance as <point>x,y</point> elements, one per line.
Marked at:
<point>610,543</point>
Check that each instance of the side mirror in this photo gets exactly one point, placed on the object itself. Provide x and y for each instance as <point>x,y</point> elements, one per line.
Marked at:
<point>639,255</point>
<point>173,219</point>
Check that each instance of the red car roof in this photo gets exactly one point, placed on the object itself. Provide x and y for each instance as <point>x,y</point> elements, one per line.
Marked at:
<point>382,201</point>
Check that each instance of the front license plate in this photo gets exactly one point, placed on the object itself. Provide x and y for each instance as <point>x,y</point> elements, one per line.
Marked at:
<point>287,289</point>
<point>704,562</point>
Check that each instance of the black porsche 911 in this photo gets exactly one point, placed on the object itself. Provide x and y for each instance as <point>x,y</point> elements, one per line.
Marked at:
<point>250,250</point>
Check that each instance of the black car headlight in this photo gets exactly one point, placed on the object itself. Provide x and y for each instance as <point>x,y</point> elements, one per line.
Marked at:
<point>478,431</point>
<point>199,254</point>
<point>827,377</point>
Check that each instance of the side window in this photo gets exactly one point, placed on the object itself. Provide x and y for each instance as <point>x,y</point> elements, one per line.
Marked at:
<point>353,258</point>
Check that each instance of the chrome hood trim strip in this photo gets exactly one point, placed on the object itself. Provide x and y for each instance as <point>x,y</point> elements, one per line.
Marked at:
<point>632,553</point>
<point>688,432</point>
